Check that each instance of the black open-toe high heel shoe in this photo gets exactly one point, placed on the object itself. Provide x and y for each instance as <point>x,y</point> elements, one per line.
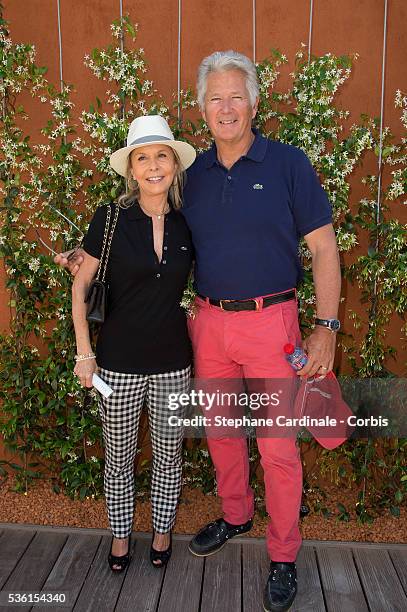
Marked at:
<point>120,562</point>
<point>160,558</point>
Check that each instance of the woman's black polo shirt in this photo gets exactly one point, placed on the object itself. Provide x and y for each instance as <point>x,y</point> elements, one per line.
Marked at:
<point>145,328</point>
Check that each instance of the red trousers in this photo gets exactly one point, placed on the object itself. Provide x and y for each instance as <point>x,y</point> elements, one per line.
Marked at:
<point>249,344</point>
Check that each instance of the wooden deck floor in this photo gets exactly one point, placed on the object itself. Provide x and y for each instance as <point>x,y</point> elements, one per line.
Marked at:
<point>332,576</point>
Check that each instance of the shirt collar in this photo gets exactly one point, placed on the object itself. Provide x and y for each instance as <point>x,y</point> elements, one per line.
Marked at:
<point>134,212</point>
<point>257,151</point>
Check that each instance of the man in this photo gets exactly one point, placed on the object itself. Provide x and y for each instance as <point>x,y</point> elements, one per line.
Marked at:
<point>247,201</point>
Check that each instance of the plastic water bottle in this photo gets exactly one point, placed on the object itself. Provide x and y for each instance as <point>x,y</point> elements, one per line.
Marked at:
<point>296,356</point>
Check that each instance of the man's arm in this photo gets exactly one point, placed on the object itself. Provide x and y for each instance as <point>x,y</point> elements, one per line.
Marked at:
<point>320,345</point>
<point>70,259</point>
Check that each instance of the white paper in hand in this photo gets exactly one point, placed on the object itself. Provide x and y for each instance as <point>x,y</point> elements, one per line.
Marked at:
<point>101,386</point>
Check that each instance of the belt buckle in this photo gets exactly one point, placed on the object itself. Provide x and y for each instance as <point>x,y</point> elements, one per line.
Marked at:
<point>251,300</point>
<point>221,303</point>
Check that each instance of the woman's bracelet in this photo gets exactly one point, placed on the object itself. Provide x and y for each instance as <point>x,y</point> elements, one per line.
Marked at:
<point>85,357</point>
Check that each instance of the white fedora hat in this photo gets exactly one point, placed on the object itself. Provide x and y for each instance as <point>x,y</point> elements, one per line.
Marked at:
<point>148,130</point>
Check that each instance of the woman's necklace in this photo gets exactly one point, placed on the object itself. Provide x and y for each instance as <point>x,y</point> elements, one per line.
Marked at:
<point>158,215</point>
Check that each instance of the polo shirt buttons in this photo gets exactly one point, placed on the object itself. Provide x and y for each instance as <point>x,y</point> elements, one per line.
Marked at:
<point>229,178</point>
<point>158,275</point>
<point>164,261</point>
<point>165,248</point>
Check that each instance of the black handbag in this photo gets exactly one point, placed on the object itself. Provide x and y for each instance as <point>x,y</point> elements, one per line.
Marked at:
<point>97,292</point>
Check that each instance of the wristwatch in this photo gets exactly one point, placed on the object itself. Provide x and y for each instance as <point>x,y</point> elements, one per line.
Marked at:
<point>333,324</point>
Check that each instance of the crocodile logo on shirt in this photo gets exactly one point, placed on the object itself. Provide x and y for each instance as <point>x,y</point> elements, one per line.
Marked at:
<point>257,186</point>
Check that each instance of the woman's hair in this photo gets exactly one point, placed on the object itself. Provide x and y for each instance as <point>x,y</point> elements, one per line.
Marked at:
<point>133,190</point>
<point>227,60</point>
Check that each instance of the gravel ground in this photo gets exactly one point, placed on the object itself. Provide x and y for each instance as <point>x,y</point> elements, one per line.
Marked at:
<point>41,506</point>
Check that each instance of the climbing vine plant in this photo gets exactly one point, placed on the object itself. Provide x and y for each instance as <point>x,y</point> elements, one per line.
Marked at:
<point>49,189</point>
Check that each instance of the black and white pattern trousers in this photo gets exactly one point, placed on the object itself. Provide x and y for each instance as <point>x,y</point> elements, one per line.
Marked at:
<point>120,414</point>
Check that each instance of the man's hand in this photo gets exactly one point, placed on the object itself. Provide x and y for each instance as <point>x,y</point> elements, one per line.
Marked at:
<point>70,259</point>
<point>320,348</point>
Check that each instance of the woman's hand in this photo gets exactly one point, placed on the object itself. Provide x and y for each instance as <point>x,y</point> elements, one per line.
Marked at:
<point>84,370</point>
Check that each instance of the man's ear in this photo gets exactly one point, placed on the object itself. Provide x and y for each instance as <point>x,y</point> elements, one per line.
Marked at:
<point>255,107</point>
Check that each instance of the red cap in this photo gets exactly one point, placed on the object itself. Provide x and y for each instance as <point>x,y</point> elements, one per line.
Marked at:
<point>289,349</point>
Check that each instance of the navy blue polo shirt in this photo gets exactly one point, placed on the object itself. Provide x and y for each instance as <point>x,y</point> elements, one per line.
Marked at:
<point>246,222</point>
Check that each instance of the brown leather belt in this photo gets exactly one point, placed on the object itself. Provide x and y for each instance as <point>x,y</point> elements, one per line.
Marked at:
<point>252,304</point>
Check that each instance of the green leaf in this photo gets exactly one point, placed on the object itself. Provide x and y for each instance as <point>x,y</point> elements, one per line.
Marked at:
<point>386,152</point>
<point>130,28</point>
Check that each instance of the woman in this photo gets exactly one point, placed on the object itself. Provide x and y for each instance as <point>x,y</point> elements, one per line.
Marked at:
<point>143,351</point>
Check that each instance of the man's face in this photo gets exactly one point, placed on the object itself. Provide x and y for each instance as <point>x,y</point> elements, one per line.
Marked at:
<point>228,112</point>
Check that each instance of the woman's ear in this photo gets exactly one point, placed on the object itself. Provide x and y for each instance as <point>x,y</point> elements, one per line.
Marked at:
<point>129,169</point>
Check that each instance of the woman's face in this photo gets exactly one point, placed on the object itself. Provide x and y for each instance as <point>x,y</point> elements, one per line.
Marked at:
<point>154,168</point>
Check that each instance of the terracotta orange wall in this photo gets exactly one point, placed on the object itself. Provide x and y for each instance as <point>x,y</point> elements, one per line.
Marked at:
<point>207,25</point>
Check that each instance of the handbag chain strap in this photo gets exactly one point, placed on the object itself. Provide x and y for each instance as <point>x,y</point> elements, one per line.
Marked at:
<point>107,242</point>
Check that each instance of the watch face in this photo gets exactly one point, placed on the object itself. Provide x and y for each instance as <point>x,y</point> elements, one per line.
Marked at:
<point>334,325</point>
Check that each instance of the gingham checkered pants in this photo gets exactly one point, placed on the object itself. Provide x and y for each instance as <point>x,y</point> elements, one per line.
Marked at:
<point>120,414</point>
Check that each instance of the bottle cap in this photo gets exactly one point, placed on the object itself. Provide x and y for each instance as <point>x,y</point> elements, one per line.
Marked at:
<point>289,349</point>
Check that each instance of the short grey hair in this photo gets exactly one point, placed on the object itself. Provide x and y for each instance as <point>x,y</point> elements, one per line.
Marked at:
<point>221,61</point>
